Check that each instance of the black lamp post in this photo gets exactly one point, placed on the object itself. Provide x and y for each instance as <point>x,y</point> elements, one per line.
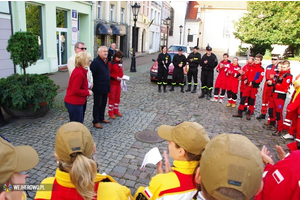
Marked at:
<point>168,23</point>
<point>180,28</point>
<point>189,30</point>
<point>135,11</point>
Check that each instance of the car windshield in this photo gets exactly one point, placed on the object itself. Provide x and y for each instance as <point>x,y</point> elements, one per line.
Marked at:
<point>175,48</point>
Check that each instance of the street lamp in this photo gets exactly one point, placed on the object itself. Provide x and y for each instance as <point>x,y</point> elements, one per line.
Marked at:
<point>168,23</point>
<point>180,28</point>
<point>135,11</point>
<point>189,30</point>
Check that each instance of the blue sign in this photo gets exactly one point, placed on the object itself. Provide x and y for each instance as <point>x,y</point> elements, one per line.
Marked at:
<point>74,14</point>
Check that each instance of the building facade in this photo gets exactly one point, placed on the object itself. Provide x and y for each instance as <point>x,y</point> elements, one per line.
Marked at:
<point>218,24</point>
<point>6,68</point>
<point>192,24</point>
<point>58,25</point>
<point>111,24</point>
<point>154,26</point>
<point>166,30</point>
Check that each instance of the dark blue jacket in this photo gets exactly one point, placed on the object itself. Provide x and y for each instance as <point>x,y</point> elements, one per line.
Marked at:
<point>101,76</point>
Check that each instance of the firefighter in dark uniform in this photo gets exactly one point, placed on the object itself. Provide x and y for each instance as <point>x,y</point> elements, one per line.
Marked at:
<point>194,61</point>
<point>179,61</point>
<point>163,60</point>
<point>208,62</point>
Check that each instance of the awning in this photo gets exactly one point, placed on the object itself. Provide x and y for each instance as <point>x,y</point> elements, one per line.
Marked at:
<point>103,29</point>
<point>117,30</point>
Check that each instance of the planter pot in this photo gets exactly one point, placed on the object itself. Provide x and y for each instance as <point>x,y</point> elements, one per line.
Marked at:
<point>28,113</point>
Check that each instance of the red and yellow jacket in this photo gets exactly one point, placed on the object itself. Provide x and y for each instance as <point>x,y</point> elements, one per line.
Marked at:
<point>175,185</point>
<point>61,188</point>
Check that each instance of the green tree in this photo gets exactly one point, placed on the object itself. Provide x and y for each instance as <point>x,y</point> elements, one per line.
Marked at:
<point>24,49</point>
<point>270,22</point>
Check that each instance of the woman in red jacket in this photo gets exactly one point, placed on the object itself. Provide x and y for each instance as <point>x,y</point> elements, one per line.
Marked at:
<point>77,90</point>
<point>116,74</point>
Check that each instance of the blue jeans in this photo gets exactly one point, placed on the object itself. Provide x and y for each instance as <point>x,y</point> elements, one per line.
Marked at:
<point>75,112</point>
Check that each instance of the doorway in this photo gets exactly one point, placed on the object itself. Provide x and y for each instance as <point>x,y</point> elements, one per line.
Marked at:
<point>62,46</point>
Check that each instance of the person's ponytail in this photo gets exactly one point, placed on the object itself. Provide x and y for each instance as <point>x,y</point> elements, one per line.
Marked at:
<point>82,174</point>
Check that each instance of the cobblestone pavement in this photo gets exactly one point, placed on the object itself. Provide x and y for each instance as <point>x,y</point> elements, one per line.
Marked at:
<point>119,154</point>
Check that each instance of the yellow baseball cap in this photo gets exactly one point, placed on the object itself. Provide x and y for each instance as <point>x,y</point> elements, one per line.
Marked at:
<point>231,161</point>
<point>15,159</point>
<point>191,136</point>
<point>73,137</point>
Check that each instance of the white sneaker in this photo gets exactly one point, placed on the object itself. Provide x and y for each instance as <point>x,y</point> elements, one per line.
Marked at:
<point>288,137</point>
<point>220,100</point>
<point>214,100</point>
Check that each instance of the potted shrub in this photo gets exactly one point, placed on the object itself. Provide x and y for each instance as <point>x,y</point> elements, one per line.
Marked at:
<point>26,95</point>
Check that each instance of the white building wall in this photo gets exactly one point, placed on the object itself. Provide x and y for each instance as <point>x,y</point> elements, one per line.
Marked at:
<point>154,29</point>
<point>217,23</point>
<point>179,19</point>
<point>194,26</point>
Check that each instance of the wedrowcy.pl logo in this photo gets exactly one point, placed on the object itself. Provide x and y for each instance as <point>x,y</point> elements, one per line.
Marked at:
<point>7,187</point>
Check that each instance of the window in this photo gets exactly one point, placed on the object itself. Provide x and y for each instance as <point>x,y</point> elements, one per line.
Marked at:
<point>122,15</point>
<point>99,9</point>
<point>155,18</point>
<point>61,19</point>
<point>34,23</point>
<point>112,13</point>
<point>158,17</point>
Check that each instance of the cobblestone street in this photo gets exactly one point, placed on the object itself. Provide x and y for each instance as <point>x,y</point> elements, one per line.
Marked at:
<point>119,154</point>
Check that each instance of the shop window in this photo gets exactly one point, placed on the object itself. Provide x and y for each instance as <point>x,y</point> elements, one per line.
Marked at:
<point>34,23</point>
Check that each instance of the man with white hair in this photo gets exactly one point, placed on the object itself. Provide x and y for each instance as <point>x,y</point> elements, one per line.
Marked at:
<point>101,88</point>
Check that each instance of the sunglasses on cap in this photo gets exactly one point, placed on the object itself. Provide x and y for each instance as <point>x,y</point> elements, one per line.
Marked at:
<point>83,48</point>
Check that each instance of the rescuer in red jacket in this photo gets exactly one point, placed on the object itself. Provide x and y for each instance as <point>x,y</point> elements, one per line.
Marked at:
<point>269,74</point>
<point>280,86</point>
<point>253,77</point>
<point>116,74</point>
<point>220,84</point>
<point>232,84</point>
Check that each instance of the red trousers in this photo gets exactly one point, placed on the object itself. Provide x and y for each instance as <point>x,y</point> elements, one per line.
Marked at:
<point>265,98</point>
<point>295,127</point>
<point>275,112</point>
<point>114,99</point>
<point>249,94</point>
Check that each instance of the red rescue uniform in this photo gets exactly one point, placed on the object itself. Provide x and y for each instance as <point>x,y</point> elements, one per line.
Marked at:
<point>116,70</point>
<point>220,84</point>
<point>232,85</point>
<point>276,101</point>
<point>253,76</point>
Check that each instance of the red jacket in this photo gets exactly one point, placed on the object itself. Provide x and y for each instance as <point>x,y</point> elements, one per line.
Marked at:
<point>245,69</point>
<point>284,85</point>
<point>116,70</point>
<point>77,90</point>
<point>255,74</point>
<point>270,69</point>
<point>281,181</point>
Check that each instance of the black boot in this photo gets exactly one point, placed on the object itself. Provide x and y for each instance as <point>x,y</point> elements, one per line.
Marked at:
<point>172,88</point>
<point>182,89</point>
<point>165,88</point>
<point>159,88</point>
<point>261,116</point>
<point>208,95</point>
<point>202,94</point>
<point>189,88</point>
<point>195,88</point>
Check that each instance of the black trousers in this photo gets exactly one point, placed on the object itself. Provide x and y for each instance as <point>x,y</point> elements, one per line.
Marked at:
<point>193,72</point>
<point>100,101</point>
<point>162,75</point>
<point>177,75</point>
<point>207,78</point>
